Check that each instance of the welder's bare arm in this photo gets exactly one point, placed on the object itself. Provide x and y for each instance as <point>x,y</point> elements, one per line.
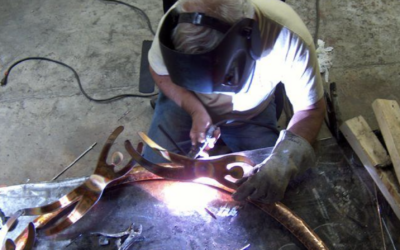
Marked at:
<point>182,97</point>
<point>186,100</point>
<point>307,123</point>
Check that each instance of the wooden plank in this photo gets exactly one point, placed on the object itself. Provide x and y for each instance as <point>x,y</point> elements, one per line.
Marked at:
<point>387,112</point>
<point>372,154</point>
<point>367,142</point>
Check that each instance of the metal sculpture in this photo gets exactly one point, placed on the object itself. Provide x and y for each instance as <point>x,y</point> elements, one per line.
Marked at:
<point>57,216</point>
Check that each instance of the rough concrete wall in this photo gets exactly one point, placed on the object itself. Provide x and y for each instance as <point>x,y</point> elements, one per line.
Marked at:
<point>365,38</point>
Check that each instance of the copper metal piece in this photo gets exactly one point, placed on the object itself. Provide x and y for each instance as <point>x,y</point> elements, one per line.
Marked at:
<point>29,236</point>
<point>26,239</point>
<point>293,223</point>
<point>224,169</point>
<point>87,194</point>
<point>83,198</point>
<point>7,226</point>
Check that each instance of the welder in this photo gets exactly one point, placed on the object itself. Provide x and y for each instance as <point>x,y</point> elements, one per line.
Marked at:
<point>220,60</point>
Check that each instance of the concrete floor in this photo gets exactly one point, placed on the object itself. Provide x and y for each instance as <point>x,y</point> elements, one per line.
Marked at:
<point>46,122</point>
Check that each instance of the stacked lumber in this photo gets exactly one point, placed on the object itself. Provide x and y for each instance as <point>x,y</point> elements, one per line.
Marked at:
<point>371,152</point>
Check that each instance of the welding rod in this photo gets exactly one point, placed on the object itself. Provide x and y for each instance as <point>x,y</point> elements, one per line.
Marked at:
<point>388,233</point>
<point>75,161</point>
<point>378,207</point>
<point>245,247</point>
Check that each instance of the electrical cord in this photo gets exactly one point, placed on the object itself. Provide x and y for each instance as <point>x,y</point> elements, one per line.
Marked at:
<point>165,132</point>
<point>230,121</point>
<point>115,98</point>
<point>4,81</point>
<point>137,9</point>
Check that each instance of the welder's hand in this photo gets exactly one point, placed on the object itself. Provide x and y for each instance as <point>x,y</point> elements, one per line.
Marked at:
<point>200,123</point>
<point>292,155</point>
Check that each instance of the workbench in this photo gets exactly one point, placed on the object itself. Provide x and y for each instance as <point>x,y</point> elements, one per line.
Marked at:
<point>337,199</point>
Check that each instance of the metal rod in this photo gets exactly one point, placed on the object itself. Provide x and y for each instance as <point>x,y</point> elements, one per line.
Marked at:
<point>245,247</point>
<point>380,217</point>
<point>388,233</point>
<point>73,163</point>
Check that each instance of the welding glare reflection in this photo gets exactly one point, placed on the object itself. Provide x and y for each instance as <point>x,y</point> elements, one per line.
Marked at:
<point>182,197</point>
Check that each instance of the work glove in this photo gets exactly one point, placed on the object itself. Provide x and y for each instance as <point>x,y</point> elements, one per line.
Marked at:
<point>291,156</point>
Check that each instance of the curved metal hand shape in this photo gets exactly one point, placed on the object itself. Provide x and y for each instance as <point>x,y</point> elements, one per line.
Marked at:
<point>82,198</point>
<point>87,194</point>
<point>224,169</point>
<point>28,235</point>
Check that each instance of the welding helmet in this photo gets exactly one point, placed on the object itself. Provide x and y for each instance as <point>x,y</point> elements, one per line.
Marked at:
<point>225,68</point>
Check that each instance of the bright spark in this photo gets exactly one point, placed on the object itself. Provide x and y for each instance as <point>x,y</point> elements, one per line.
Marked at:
<point>185,198</point>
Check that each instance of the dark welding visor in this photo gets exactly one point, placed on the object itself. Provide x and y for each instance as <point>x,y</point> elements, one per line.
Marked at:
<point>224,68</point>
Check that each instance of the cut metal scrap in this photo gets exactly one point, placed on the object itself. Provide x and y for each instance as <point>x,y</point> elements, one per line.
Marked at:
<point>134,236</point>
<point>117,235</point>
<point>131,232</point>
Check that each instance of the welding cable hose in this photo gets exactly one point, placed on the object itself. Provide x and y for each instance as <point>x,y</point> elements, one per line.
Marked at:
<point>237,120</point>
<point>4,81</point>
<point>216,125</point>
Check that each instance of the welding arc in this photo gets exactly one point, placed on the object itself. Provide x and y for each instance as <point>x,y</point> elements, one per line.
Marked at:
<point>106,100</point>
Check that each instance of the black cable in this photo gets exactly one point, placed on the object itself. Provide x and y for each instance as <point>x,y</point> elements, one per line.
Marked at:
<point>171,139</point>
<point>137,9</point>
<point>229,121</point>
<point>223,122</point>
<point>115,98</point>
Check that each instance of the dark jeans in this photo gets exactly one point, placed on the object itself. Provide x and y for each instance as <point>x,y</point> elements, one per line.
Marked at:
<point>178,124</point>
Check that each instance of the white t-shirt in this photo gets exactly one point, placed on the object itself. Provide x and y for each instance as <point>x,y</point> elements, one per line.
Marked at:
<point>288,56</point>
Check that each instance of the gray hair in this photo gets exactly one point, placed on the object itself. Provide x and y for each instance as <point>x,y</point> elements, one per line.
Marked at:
<point>189,38</point>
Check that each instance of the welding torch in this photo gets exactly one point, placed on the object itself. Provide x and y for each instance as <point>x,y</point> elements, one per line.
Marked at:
<point>199,147</point>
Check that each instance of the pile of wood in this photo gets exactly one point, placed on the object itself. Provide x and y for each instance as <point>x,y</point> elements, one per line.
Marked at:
<point>384,168</point>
